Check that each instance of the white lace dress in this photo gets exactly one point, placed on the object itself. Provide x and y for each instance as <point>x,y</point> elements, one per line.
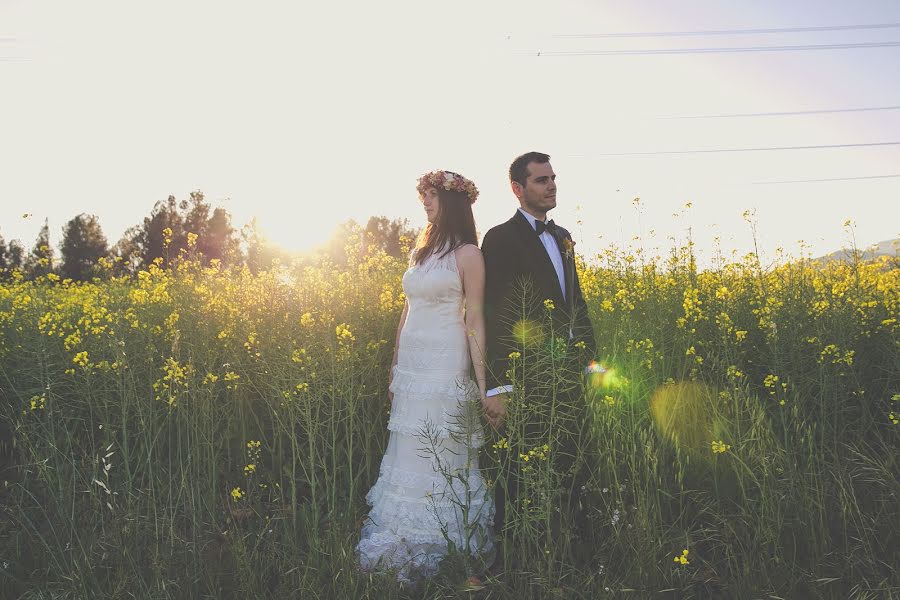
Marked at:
<point>429,491</point>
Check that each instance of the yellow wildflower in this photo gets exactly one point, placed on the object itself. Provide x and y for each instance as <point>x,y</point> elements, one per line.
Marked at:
<point>38,402</point>
<point>719,447</point>
<point>253,450</point>
<point>343,333</point>
<point>81,359</point>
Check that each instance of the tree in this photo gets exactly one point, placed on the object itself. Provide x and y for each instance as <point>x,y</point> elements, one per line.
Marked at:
<point>260,253</point>
<point>163,232</point>
<point>40,260</point>
<point>195,213</point>
<point>4,255</point>
<point>15,255</point>
<point>82,246</point>
<point>389,235</point>
<point>173,227</point>
<point>129,251</point>
<point>219,240</point>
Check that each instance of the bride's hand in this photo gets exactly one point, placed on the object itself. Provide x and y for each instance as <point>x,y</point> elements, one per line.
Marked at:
<point>494,409</point>
<point>390,397</point>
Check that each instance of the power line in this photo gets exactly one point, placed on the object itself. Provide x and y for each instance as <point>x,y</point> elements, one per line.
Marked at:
<point>783,114</point>
<point>726,50</point>
<point>764,149</point>
<point>821,180</point>
<point>645,34</point>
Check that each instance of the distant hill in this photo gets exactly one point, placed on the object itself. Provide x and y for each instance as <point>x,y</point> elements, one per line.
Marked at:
<point>885,248</point>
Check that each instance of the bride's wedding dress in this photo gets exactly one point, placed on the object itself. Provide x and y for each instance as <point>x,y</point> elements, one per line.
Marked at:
<point>430,492</point>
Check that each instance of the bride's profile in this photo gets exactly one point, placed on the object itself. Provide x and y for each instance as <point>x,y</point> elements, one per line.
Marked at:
<point>430,496</point>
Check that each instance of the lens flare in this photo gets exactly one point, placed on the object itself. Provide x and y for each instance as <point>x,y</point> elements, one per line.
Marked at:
<point>528,333</point>
<point>605,378</point>
<point>685,412</point>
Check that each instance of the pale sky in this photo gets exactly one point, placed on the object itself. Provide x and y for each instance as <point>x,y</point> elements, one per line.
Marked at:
<point>309,114</point>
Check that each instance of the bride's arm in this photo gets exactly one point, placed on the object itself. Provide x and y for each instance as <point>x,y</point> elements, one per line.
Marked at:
<point>396,347</point>
<point>471,270</point>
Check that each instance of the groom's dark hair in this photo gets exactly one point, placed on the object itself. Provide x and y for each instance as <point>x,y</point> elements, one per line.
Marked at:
<point>518,170</point>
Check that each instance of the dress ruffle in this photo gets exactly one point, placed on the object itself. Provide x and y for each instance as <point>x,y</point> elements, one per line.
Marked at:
<point>413,512</point>
<point>444,404</point>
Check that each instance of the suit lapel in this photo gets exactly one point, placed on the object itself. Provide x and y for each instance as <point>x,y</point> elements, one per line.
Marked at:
<point>545,271</point>
<point>568,260</point>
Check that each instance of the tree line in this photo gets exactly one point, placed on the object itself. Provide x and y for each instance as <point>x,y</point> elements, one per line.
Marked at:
<point>175,229</point>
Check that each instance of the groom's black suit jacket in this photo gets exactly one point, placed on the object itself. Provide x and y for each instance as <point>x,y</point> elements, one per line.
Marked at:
<point>513,253</point>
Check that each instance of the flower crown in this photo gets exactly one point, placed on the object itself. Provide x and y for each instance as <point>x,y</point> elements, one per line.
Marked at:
<point>450,181</point>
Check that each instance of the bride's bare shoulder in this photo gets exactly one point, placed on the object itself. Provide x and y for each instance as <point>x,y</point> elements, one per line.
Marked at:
<point>469,259</point>
<point>468,252</point>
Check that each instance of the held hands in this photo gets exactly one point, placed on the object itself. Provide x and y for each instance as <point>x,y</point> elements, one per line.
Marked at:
<point>495,409</point>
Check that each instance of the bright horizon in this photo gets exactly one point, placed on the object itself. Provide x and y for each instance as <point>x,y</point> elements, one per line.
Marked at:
<point>308,118</point>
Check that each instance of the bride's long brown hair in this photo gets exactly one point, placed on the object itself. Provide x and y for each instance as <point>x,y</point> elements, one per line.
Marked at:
<point>454,226</point>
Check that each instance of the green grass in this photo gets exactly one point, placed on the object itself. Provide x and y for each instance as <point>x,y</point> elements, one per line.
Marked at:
<point>123,484</point>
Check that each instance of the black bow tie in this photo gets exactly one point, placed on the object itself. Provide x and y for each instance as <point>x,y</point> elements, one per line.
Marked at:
<point>540,227</point>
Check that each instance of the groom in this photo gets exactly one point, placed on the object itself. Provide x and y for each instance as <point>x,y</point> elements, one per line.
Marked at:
<point>530,252</point>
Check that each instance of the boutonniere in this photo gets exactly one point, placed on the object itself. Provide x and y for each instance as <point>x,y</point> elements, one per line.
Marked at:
<point>569,247</point>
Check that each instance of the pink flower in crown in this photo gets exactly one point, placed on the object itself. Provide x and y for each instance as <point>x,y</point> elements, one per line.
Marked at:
<point>448,181</point>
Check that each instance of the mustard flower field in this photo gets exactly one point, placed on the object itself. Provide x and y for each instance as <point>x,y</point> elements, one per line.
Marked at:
<point>197,431</point>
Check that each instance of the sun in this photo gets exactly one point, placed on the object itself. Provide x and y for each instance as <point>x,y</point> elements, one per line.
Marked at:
<point>295,232</point>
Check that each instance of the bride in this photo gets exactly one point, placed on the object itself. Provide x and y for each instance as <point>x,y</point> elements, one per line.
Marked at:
<point>430,496</point>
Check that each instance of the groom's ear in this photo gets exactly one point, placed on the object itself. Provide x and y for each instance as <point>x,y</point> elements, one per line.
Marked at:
<point>517,189</point>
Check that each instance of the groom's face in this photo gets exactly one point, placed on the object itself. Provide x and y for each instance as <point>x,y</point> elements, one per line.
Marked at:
<point>539,193</point>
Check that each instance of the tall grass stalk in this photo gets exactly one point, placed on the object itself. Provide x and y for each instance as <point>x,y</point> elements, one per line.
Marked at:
<point>207,432</point>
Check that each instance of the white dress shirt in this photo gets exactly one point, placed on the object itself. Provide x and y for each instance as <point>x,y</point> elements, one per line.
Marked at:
<point>555,255</point>
<point>553,251</point>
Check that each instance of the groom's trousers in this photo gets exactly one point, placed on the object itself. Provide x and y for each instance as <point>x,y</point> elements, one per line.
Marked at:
<point>547,426</point>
